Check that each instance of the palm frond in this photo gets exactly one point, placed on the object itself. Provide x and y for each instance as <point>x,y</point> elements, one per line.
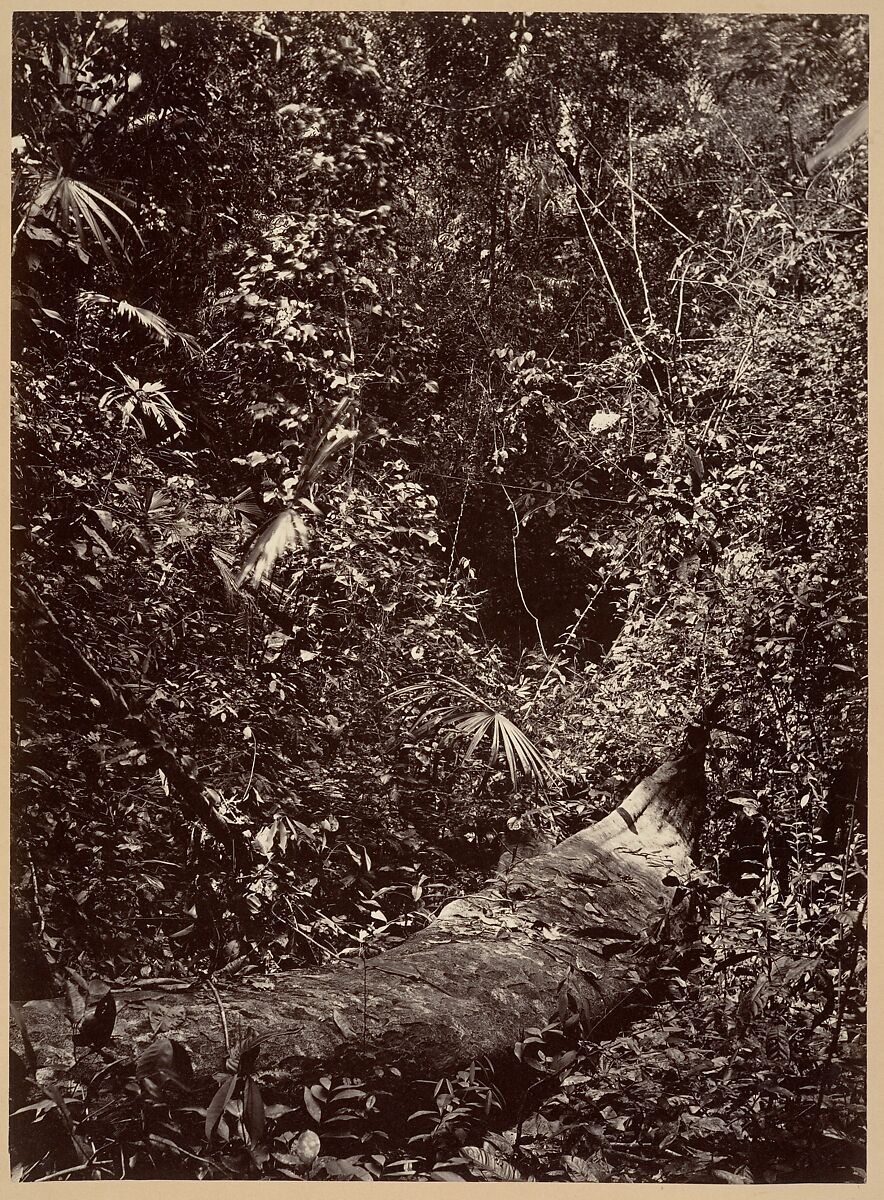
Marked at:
<point>447,708</point>
<point>151,398</point>
<point>287,529</point>
<point>238,599</point>
<point>335,441</point>
<point>844,134</point>
<point>245,505</point>
<point>162,329</point>
<point>283,532</point>
<point>163,411</point>
<point>330,438</point>
<point>76,207</point>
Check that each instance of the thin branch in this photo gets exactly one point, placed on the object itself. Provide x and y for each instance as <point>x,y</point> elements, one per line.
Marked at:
<point>758,172</point>
<point>521,487</point>
<point>252,771</point>
<point>517,531</point>
<point>223,1014</point>
<point>681,283</point>
<point>579,191</point>
<point>218,341</point>
<point>215,1166</point>
<point>613,290</point>
<point>196,799</point>
<point>603,162</point>
<point>67,1171</point>
<point>37,905</point>
<point>573,630</point>
<point>638,261</point>
<point>467,481</point>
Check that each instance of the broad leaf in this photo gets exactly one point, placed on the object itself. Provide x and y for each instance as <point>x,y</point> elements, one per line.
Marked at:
<point>253,1111</point>
<point>220,1100</point>
<point>97,1026</point>
<point>307,1146</point>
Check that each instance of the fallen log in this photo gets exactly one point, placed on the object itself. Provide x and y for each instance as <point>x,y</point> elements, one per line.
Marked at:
<point>489,966</point>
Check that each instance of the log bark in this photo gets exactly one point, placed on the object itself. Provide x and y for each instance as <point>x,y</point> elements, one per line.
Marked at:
<point>488,967</point>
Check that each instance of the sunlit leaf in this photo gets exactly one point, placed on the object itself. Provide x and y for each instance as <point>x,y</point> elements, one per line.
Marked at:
<point>220,1100</point>
<point>76,208</point>
<point>162,329</point>
<point>491,1163</point>
<point>307,1146</point>
<point>312,1105</point>
<point>283,532</point>
<point>601,421</point>
<point>845,133</point>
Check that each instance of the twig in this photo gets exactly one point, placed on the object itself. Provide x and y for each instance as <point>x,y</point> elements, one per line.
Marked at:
<point>836,1033</point>
<point>681,284</point>
<point>223,1014</point>
<point>141,726</point>
<point>603,162</point>
<point>758,171</point>
<point>572,631</point>
<point>52,1092</point>
<point>478,326</point>
<point>467,481</point>
<point>364,1000</point>
<point>627,325</point>
<point>638,261</point>
<point>67,1171</point>
<point>347,329</point>
<point>115,1062</point>
<point>155,1137</point>
<point>518,487</point>
<point>36,892</point>
<point>219,340</point>
<point>113,471</point>
<point>252,771</point>
<point>515,536</point>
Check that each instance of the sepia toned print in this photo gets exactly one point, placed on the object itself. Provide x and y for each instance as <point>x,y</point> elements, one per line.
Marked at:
<point>438,455</point>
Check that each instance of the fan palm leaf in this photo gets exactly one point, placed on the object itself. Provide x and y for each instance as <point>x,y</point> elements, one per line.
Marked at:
<point>162,329</point>
<point>448,708</point>
<point>281,533</point>
<point>76,207</point>
<point>287,529</point>
<point>329,439</point>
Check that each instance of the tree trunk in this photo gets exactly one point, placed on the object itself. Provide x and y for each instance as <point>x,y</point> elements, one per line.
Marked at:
<point>488,967</point>
<point>196,800</point>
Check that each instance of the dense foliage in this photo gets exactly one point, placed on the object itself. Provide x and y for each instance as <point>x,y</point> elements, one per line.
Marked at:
<point>418,419</point>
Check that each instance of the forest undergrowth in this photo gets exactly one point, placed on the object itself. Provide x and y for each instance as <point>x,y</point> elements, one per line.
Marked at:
<point>418,421</point>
